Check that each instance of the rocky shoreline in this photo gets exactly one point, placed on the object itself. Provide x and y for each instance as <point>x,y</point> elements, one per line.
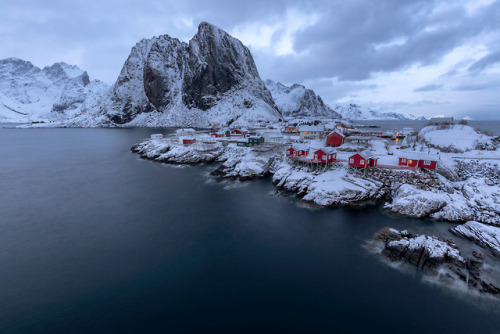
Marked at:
<point>410,193</point>
<point>460,192</point>
<point>435,258</point>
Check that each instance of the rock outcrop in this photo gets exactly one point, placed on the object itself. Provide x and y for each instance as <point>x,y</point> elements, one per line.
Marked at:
<point>481,234</point>
<point>435,258</point>
<point>164,82</point>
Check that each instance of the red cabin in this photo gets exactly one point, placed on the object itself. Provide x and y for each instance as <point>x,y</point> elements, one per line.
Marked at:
<point>290,152</point>
<point>419,160</point>
<point>217,135</point>
<point>188,141</point>
<point>427,164</point>
<point>324,155</point>
<point>336,138</point>
<point>236,133</point>
<point>362,160</point>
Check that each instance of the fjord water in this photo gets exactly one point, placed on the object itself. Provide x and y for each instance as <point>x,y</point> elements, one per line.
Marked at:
<point>94,239</point>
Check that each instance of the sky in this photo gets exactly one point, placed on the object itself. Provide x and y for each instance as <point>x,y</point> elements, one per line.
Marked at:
<point>414,57</point>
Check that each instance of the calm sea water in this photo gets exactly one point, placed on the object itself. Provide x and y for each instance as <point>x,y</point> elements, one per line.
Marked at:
<point>94,239</point>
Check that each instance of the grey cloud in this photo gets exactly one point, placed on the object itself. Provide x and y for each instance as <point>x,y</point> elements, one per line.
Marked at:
<point>343,44</point>
<point>428,88</point>
<point>488,85</point>
<point>485,62</point>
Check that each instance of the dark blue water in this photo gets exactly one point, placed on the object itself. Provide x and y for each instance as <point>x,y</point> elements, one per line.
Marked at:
<point>93,239</point>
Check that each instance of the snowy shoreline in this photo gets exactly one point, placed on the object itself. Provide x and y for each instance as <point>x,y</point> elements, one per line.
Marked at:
<point>410,193</point>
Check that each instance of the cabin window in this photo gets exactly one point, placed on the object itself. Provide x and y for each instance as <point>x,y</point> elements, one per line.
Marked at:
<point>351,161</point>
<point>410,161</point>
<point>295,153</point>
<point>403,160</point>
<point>324,157</point>
<point>427,163</point>
<point>361,162</point>
<point>315,157</point>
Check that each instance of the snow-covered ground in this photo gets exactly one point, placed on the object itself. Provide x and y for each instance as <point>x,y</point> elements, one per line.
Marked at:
<point>458,138</point>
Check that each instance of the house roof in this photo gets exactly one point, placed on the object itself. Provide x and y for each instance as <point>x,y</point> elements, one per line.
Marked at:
<point>338,132</point>
<point>300,147</point>
<point>418,156</point>
<point>366,155</point>
<point>327,150</point>
<point>312,128</point>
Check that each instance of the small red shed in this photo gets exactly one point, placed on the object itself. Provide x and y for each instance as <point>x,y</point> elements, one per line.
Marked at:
<point>362,160</point>
<point>418,159</point>
<point>335,138</point>
<point>291,152</point>
<point>188,141</point>
<point>217,134</point>
<point>236,133</point>
<point>324,155</point>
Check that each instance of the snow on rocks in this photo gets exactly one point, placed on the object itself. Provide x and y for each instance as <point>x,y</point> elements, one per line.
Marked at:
<point>454,138</point>
<point>417,203</point>
<point>483,235</point>
<point>246,165</point>
<point>171,151</point>
<point>332,187</point>
<point>435,258</point>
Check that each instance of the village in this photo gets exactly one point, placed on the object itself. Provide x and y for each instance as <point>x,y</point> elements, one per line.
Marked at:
<point>318,146</point>
<point>444,171</point>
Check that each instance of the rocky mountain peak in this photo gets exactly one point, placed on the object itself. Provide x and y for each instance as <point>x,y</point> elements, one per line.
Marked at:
<point>211,79</point>
<point>297,100</point>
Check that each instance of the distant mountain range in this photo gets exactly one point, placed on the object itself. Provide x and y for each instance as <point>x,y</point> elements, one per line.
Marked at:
<point>28,93</point>
<point>164,82</point>
<point>355,112</point>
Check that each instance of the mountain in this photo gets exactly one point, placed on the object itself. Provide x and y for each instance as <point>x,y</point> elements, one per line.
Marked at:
<point>355,112</point>
<point>297,100</point>
<point>164,82</point>
<point>28,93</point>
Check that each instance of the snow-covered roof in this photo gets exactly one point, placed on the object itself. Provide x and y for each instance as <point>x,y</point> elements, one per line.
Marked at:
<point>327,150</point>
<point>255,137</point>
<point>367,155</point>
<point>311,128</point>
<point>300,147</point>
<point>242,141</point>
<point>418,156</point>
<point>336,131</point>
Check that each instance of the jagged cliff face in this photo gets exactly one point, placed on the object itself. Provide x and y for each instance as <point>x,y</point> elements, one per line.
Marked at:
<point>213,79</point>
<point>30,93</point>
<point>297,100</point>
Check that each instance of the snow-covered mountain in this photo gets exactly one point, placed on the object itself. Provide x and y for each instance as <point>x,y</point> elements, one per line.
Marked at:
<point>297,100</point>
<point>28,93</point>
<point>355,112</point>
<point>164,82</point>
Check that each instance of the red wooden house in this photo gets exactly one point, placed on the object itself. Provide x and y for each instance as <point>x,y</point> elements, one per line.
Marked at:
<point>362,160</point>
<point>217,134</point>
<point>324,155</point>
<point>290,152</point>
<point>427,164</point>
<point>188,140</point>
<point>335,138</point>
<point>297,151</point>
<point>236,133</point>
<point>417,159</point>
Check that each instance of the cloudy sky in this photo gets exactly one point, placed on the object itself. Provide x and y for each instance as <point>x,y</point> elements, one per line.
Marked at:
<point>414,57</point>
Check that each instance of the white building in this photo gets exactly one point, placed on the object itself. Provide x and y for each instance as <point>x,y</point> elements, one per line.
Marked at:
<point>311,131</point>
